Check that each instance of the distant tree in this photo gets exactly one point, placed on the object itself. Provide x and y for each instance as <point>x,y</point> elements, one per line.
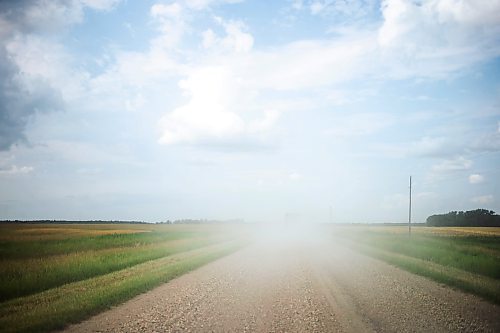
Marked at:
<point>471,218</point>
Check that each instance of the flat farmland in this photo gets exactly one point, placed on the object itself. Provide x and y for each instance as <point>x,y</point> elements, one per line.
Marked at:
<point>234,278</point>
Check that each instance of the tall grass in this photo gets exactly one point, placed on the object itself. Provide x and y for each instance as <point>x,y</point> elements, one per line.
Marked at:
<point>19,277</point>
<point>70,303</point>
<point>479,255</point>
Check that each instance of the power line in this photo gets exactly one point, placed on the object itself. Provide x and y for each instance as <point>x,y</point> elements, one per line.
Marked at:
<point>409,213</point>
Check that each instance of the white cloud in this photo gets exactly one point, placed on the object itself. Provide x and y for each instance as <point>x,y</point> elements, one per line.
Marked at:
<point>265,123</point>
<point>36,66</point>
<point>452,165</point>
<point>137,69</point>
<point>304,64</point>
<point>312,63</point>
<point>171,23</point>
<point>351,9</point>
<point>51,16</point>
<point>101,4</point>
<point>431,147</point>
<point>396,13</point>
<point>435,147</point>
<point>473,12</point>
<point>126,73</point>
<point>472,19</point>
<point>236,38</point>
<point>483,199</point>
<point>429,39</point>
<point>135,103</point>
<point>203,4</point>
<point>173,10</point>
<point>15,170</point>
<point>206,114</point>
<point>423,147</point>
<point>358,124</point>
<point>342,97</point>
<point>437,37</point>
<point>32,44</point>
<point>209,38</point>
<point>476,179</point>
<point>488,142</point>
<point>55,68</point>
<point>317,7</point>
<point>87,153</point>
<point>294,176</point>
<point>213,111</point>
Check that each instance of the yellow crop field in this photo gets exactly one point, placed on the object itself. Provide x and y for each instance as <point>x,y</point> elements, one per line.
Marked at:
<point>440,231</point>
<point>62,231</point>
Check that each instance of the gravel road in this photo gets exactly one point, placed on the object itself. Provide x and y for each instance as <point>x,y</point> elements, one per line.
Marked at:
<point>298,286</point>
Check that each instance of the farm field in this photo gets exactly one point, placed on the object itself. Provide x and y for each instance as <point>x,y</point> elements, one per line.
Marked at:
<point>467,258</point>
<point>53,274</point>
<point>287,278</point>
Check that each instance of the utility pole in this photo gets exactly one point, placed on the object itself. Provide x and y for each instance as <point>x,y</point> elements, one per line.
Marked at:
<point>409,214</point>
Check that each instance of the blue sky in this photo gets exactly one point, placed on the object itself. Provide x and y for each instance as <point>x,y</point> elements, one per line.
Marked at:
<point>219,109</point>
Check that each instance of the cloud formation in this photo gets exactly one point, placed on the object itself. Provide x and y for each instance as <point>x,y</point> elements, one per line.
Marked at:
<point>236,39</point>
<point>453,165</point>
<point>15,170</point>
<point>429,40</point>
<point>476,178</point>
<point>213,112</point>
<point>436,37</point>
<point>349,96</point>
<point>19,102</point>
<point>28,81</point>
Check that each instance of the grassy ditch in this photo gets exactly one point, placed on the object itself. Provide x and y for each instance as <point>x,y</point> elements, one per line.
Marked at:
<point>467,261</point>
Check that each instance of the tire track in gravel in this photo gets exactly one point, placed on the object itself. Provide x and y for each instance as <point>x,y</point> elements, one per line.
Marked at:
<point>298,286</point>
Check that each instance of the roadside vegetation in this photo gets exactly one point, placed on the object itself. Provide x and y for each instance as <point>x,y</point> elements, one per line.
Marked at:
<point>465,258</point>
<point>48,280</point>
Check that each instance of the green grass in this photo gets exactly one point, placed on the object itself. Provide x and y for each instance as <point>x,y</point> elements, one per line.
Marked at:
<point>70,303</point>
<point>51,275</point>
<point>468,262</point>
<point>27,276</point>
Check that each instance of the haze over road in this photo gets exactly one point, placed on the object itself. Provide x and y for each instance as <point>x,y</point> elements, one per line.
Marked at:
<point>299,285</point>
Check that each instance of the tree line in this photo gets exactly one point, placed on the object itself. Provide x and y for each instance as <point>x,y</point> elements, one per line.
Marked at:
<point>471,218</point>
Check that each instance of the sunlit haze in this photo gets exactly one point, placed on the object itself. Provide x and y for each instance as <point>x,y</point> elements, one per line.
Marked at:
<point>298,111</point>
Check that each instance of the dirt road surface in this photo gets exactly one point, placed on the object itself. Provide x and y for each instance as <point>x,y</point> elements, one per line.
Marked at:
<point>298,286</point>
